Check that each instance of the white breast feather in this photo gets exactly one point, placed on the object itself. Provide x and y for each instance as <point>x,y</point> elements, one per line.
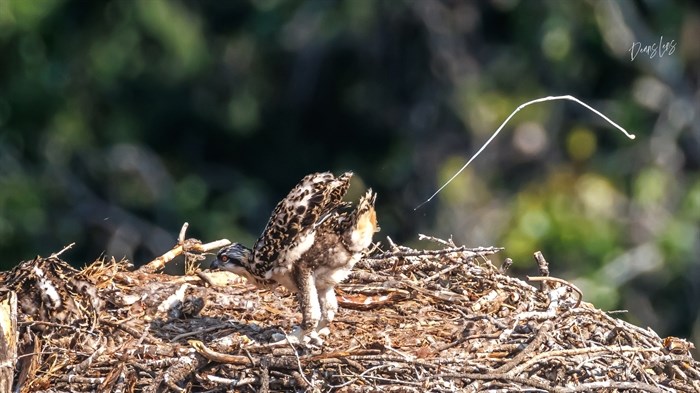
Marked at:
<point>306,240</point>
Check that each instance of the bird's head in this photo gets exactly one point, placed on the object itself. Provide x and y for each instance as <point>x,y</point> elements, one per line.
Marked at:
<point>235,258</point>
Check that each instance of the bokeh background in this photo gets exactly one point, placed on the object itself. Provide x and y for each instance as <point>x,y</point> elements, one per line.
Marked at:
<point>120,120</point>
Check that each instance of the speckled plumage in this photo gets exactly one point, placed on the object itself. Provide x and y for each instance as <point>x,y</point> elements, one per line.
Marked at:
<point>311,242</point>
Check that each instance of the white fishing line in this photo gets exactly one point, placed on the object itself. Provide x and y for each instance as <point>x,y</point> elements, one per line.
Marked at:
<point>543,99</point>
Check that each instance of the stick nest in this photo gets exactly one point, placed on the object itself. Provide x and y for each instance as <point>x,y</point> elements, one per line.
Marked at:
<point>410,320</point>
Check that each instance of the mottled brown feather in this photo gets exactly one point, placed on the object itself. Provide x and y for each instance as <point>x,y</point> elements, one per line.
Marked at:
<point>315,197</point>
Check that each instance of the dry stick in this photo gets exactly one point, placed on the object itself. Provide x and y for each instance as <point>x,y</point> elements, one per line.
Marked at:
<point>539,338</point>
<point>474,251</point>
<point>131,331</point>
<point>543,99</point>
<point>441,272</point>
<point>66,248</point>
<point>568,353</point>
<point>301,369</point>
<point>356,377</point>
<point>546,386</point>
<point>447,243</point>
<point>560,281</point>
<point>199,331</point>
<point>543,267</point>
<point>542,264</point>
<point>264,374</point>
<point>591,386</point>
<point>8,339</point>
<point>184,245</point>
<point>85,364</point>
<point>212,355</point>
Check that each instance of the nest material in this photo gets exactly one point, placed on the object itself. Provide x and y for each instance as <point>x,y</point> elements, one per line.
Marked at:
<point>410,321</point>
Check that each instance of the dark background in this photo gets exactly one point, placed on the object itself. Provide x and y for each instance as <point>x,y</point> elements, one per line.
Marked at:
<point>121,120</point>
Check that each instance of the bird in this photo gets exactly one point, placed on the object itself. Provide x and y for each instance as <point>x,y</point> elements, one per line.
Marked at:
<point>310,243</point>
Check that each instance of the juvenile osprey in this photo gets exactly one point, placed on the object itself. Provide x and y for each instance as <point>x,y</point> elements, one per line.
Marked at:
<point>311,242</point>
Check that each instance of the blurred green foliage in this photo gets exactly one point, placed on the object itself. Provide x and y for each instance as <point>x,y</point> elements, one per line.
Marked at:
<point>121,120</point>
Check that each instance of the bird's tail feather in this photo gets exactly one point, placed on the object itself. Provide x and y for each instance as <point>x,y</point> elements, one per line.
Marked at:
<point>364,222</point>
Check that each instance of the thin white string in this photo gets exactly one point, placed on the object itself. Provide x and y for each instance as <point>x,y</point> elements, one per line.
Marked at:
<point>543,99</point>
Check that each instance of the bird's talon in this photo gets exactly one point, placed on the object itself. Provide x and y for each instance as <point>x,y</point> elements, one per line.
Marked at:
<point>313,340</point>
<point>297,336</point>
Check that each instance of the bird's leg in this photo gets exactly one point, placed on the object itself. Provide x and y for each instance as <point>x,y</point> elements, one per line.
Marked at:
<point>329,306</point>
<point>309,305</point>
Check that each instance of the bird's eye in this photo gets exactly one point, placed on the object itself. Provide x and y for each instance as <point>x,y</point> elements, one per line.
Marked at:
<point>224,258</point>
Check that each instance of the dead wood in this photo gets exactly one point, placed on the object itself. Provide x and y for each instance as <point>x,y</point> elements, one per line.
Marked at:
<point>410,320</point>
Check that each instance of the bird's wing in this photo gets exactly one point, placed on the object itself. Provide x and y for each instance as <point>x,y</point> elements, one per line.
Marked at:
<point>291,229</point>
<point>354,225</point>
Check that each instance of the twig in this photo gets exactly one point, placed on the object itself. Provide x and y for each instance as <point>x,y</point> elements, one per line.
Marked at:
<point>441,272</point>
<point>612,386</point>
<point>563,282</point>
<point>206,278</point>
<point>232,382</point>
<point>531,347</point>
<point>183,246</point>
<point>85,364</point>
<point>296,355</point>
<point>358,376</point>
<point>567,353</point>
<point>200,331</point>
<point>66,248</point>
<point>138,335</point>
<point>220,357</point>
<point>81,380</point>
<point>447,243</point>
<point>181,236</point>
<point>543,267</point>
<point>471,252</point>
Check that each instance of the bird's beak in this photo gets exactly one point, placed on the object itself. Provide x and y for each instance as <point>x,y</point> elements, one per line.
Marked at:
<point>216,264</point>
